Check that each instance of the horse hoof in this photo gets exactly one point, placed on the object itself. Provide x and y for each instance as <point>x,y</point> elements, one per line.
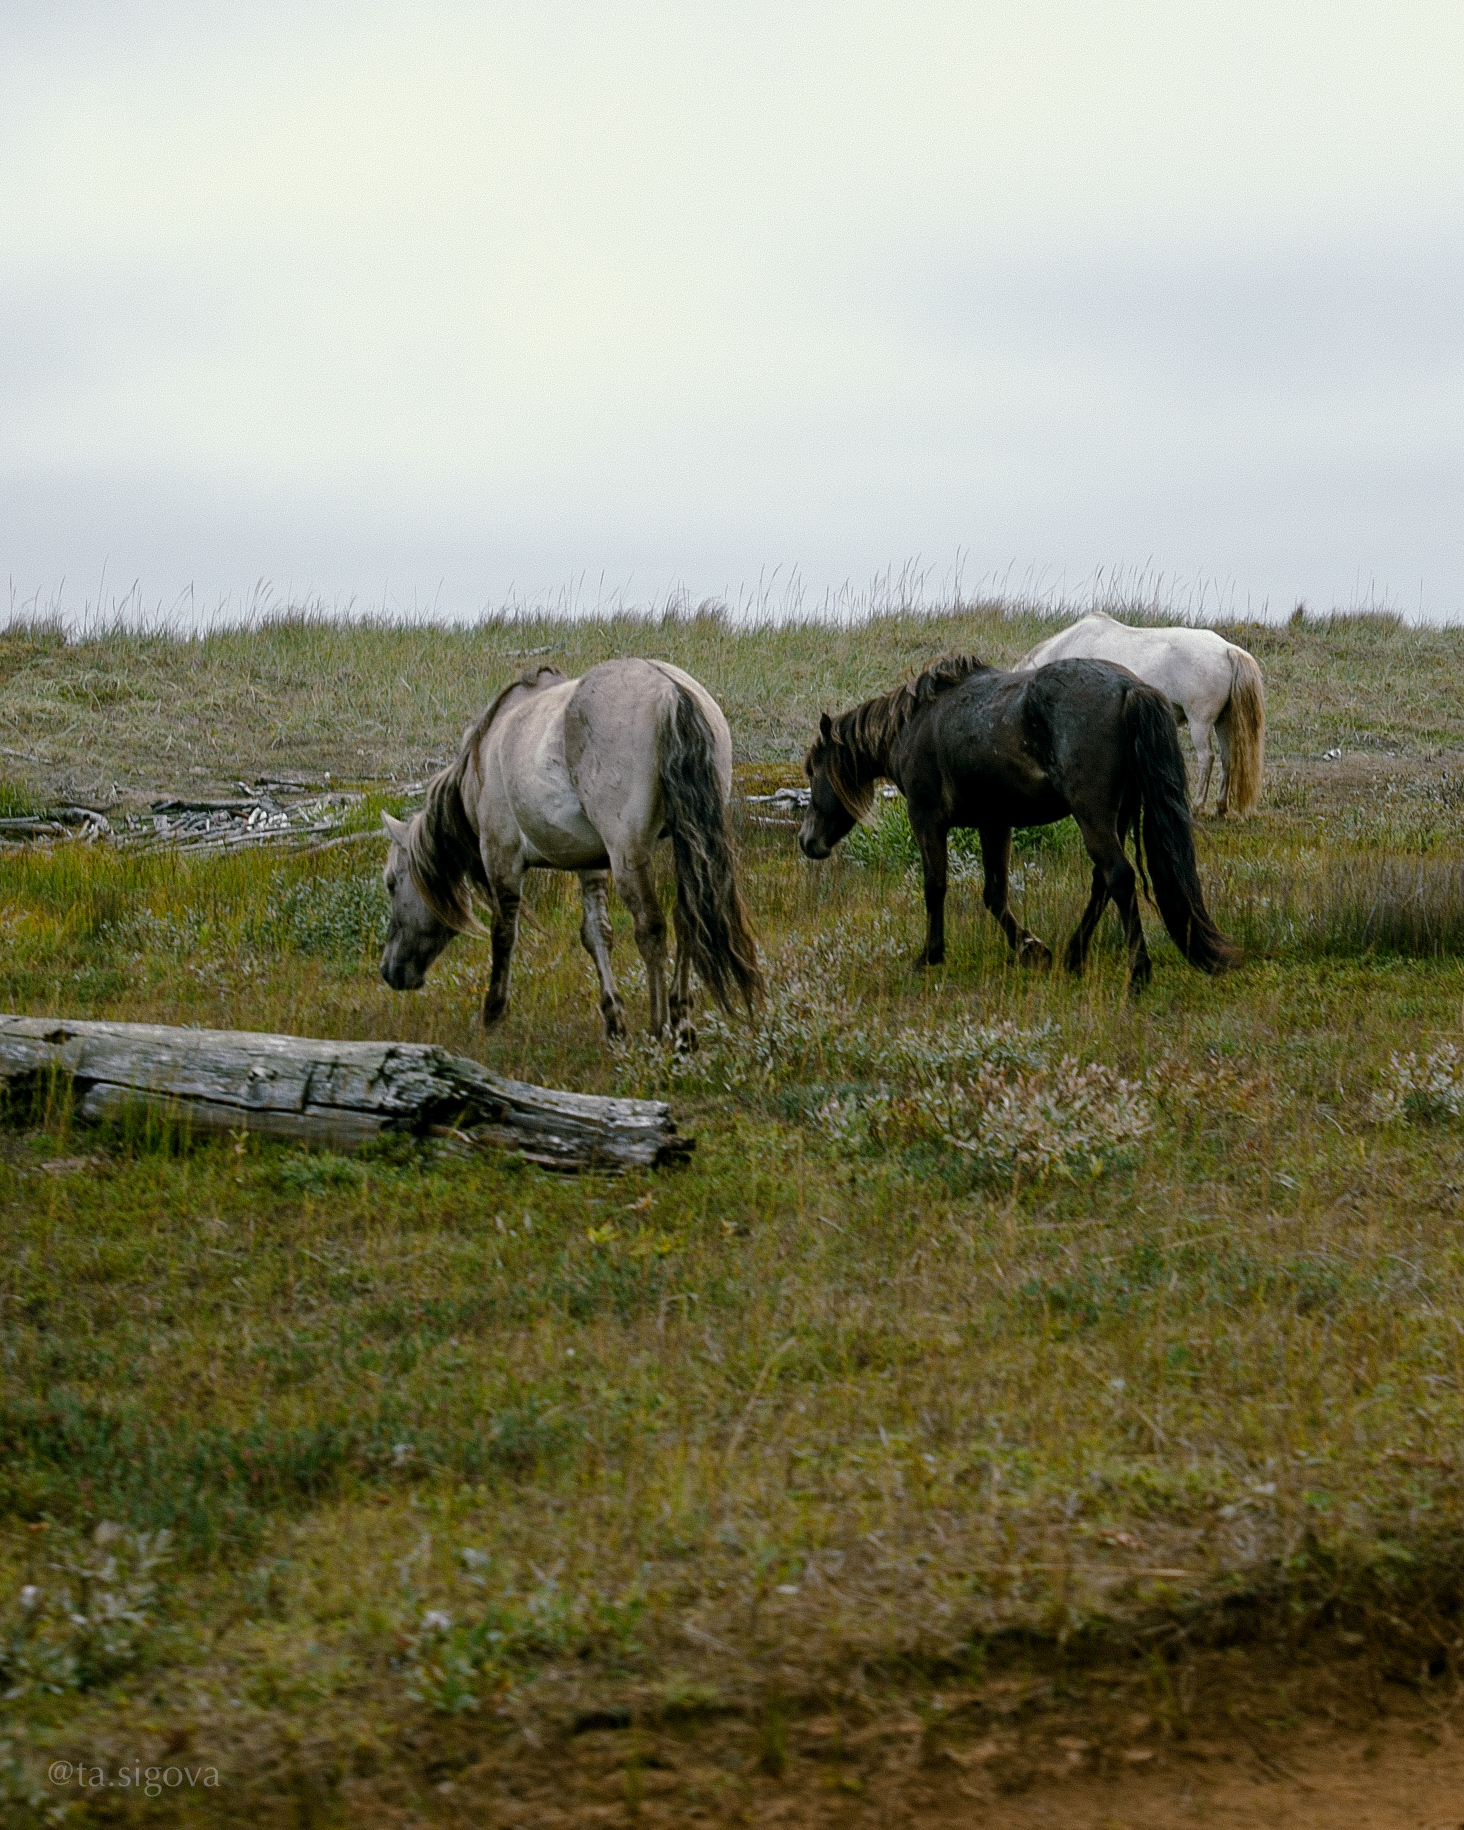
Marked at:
<point>683,1039</point>
<point>1036,953</point>
<point>493,1014</point>
<point>614,1021</point>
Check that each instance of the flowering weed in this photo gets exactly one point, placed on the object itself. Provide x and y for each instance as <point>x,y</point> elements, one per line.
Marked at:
<point>1425,1090</point>
<point>86,1617</point>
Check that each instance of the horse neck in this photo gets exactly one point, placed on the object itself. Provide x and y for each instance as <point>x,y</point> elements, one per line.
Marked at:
<point>869,737</point>
<point>448,840</point>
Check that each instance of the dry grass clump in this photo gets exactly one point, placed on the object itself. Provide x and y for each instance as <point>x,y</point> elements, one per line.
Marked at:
<point>1068,1119</point>
<point>1355,903</point>
<point>1392,905</point>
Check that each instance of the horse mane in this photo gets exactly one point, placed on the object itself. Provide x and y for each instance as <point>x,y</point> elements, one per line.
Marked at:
<point>854,748</point>
<point>442,852</point>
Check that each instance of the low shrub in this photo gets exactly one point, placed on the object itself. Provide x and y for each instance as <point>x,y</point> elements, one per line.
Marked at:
<point>454,1660</point>
<point>87,1620</point>
<point>1067,1120</point>
<point>1430,1089</point>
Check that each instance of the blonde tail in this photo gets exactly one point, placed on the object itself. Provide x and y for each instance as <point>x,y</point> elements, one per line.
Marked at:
<point>1245,728</point>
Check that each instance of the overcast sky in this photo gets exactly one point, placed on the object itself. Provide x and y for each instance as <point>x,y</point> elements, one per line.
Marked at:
<point>423,305</point>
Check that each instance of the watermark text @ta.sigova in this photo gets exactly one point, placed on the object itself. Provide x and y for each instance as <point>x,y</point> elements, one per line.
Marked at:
<point>151,1781</point>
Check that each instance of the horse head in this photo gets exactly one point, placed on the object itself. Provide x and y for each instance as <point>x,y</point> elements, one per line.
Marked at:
<point>415,936</point>
<point>830,816</point>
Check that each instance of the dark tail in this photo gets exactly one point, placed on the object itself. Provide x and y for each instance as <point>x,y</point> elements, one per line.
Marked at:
<point>713,915</point>
<point>1164,836</point>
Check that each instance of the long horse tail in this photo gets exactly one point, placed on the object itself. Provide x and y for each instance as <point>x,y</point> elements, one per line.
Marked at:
<point>713,915</point>
<point>1245,730</point>
<point>1164,836</point>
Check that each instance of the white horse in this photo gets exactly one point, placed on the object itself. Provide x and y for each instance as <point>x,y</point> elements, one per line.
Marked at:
<point>590,776</point>
<point>1214,687</point>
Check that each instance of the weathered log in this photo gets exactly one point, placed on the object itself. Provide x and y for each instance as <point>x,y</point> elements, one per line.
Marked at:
<point>338,1093</point>
<point>54,825</point>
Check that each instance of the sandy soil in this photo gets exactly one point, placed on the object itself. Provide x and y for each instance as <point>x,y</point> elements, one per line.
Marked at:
<point>1259,1742</point>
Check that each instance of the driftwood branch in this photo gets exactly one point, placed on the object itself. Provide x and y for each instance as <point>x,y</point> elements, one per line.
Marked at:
<point>337,1093</point>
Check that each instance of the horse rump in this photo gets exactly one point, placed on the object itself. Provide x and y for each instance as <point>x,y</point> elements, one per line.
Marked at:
<point>1163,835</point>
<point>713,915</point>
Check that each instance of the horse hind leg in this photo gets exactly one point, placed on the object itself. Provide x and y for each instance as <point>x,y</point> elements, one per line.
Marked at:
<point>1205,757</point>
<point>1115,877</point>
<point>682,1032</point>
<point>596,939</point>
<point>1222,744</point>
<point>1076,955</point>
<point>638,892</point>
<point>1123,888</point>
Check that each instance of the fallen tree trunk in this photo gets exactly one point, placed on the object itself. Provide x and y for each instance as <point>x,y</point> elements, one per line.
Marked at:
<point>337,1093</point>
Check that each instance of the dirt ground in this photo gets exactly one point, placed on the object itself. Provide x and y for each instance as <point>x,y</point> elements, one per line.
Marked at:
<point>1325,1741</point>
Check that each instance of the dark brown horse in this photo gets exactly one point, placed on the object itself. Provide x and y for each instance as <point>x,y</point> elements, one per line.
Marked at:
<point>969,745</point>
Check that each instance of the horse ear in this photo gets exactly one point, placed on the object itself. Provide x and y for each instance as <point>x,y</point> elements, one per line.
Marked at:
<point>399,830</point>
<point>825,726</point>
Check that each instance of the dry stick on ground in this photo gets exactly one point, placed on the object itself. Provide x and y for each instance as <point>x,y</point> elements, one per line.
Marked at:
<point>324,1092</point>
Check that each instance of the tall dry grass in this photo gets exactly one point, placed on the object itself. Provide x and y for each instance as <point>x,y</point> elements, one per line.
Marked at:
<point>376,700</point>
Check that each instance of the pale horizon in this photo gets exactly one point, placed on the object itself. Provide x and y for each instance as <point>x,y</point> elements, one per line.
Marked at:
<point>422,312</point>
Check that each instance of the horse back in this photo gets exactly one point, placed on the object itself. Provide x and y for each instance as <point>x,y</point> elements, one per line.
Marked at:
<point>1026,749</point>
<point>525,802</point>
<point>1192,667</point>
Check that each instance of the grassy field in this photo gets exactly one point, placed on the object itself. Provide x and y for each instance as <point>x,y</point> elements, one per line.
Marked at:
<point>1000,1333</point>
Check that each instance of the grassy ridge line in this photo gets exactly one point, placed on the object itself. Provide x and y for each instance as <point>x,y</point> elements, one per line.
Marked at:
<point>378,702</point>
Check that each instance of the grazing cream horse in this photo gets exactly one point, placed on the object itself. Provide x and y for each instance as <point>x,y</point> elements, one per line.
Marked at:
<point>1214,687</point>
<point>590,776</point>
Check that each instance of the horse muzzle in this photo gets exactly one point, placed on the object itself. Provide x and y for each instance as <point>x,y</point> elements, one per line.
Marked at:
<point>811,845</point>
<point>401,975</point>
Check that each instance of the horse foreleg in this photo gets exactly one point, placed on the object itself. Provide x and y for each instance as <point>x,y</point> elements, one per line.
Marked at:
<point>682,1032</point>
<point>638,893</point>
<point>932,842</point>
<point>596,939</point>
<point>506,901</point>
<point>996,853</point>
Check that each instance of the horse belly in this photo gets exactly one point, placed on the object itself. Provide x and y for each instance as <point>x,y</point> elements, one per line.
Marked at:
<point>554,827</point>
<point>1032,803</point>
